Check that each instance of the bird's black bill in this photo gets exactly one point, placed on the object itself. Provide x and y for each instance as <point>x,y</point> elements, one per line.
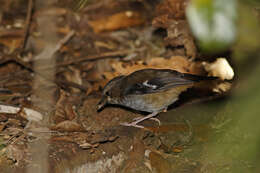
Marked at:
<point>101,104</point>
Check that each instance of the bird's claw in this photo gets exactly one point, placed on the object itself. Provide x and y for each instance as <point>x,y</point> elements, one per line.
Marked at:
<point>132,124</point>
<point>155,119</point>
<point>136,120</point>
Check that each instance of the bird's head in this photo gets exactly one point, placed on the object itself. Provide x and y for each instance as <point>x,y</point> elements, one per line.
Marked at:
<point>111,91</point>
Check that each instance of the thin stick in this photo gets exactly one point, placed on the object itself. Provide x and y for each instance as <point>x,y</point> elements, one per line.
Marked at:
<point>96,57</point>
<point>27,24</point>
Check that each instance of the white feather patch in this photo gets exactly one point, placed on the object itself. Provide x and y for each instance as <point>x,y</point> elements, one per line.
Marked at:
<point>145,83</point>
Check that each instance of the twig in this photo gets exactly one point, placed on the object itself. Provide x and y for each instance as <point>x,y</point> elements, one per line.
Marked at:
<point>27,24</point>
<point>11,32</point>
<point>96,57</point>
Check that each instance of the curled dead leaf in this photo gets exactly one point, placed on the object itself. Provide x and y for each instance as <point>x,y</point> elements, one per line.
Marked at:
<point>15,153</point>
<point>64,109</point>
<point>172,8</point>
<point>73,75</point>
<point>159,163</point>
<point>87,145</point>
<point>68,126</point>
<point>120,20</point>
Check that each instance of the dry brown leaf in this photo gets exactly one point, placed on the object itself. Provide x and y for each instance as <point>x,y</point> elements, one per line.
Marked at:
<point>12,44</point>
<point>63,138</point>
<point>87,145</point>
<point>159,163</point>
<point>172,8</point>
<point>2,126</point>
<point>73,75</point>
<point>178,33</point>
<point>15,153</point>
<point>14,122</point>
<point>67,126</point>
<point>64,30</point>
<point>135,157</point>
<point>64,110</point>
<point>117,21</point>
<point>177,149</point>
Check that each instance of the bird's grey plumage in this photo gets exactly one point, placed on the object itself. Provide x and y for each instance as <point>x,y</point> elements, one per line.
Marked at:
<point>150,90</point>
<point>129,90</point>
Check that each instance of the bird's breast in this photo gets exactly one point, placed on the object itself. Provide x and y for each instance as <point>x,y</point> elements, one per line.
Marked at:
<point>153,102</point>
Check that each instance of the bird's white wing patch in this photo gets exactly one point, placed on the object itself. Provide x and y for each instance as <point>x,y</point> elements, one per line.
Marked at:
<point>145,83</point>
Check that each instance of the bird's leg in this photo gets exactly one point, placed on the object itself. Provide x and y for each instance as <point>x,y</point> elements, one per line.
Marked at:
<point>155,119</point>
<point>134,123</point>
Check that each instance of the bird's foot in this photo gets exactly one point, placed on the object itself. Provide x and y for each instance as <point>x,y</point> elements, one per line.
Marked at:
<point>132,124</point>
<point>140,119</point>
<point>155,119</point>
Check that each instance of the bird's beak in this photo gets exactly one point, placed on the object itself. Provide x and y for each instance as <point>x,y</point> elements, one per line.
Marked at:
<point>101,103</point>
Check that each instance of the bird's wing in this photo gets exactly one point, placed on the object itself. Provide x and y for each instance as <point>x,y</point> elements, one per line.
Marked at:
<point>154,80</point>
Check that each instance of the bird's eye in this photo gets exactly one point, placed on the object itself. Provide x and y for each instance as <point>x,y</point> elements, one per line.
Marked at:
<point>107,93</point>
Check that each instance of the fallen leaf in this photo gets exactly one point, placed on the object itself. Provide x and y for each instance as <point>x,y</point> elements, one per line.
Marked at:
<point>73,75</point>
<point>12,44</point>
<point>136,157</point>
<point>64,110</point>
<point>178,33</point>
<point>159,163</point>
<point>62,138</point>
<point>172,8</point>
<point>87,145</point>
<point>177,149</point>
<point>117,21</point>
<point>68,126</point>
<point>15,153</point>
<point>2,126</point>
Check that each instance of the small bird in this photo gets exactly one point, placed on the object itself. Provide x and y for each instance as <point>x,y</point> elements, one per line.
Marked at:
<point>148,90</point>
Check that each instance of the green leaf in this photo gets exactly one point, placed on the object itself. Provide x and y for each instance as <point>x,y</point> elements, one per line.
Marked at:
<point>213,23</point>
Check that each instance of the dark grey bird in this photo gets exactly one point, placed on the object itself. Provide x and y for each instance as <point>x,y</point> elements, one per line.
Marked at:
<point>148,90</point>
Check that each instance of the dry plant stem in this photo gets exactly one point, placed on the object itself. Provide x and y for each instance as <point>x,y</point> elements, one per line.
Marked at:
<point>27,23</point>
<point>11,32</point>
<point>96,57</point>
